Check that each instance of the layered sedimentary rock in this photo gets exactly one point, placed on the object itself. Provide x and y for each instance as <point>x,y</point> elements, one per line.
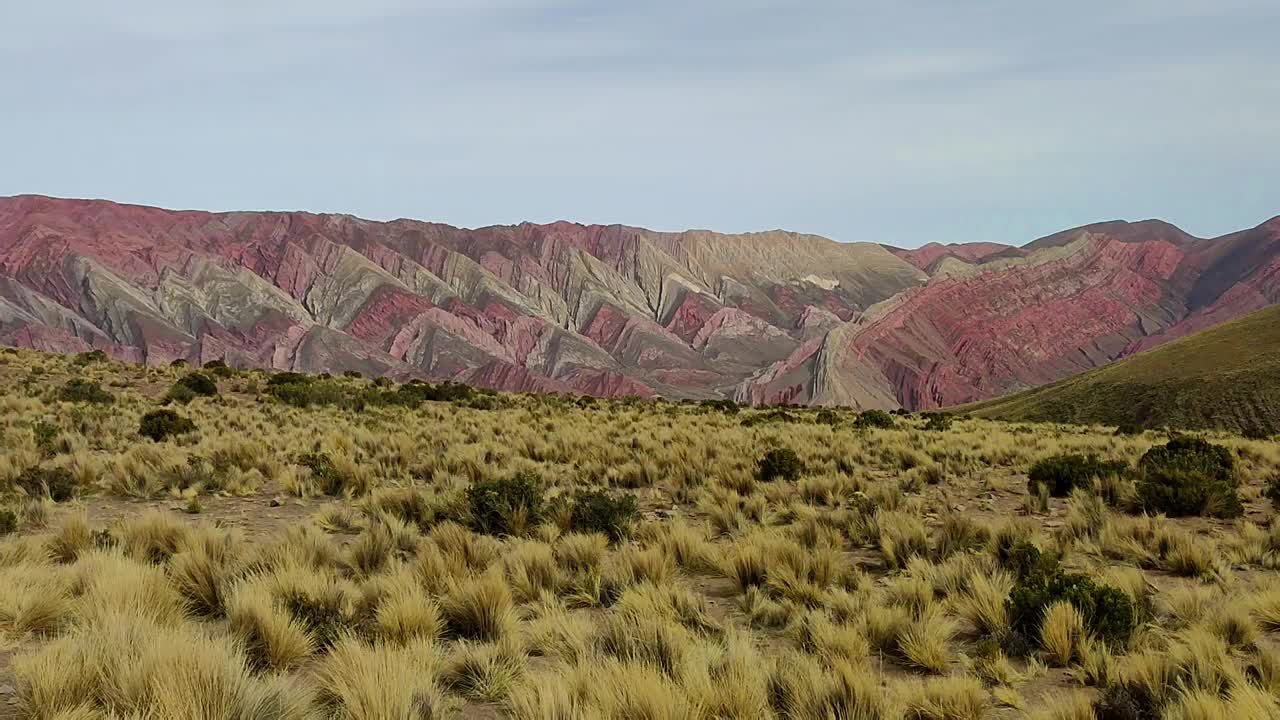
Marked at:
<point>613,310</point>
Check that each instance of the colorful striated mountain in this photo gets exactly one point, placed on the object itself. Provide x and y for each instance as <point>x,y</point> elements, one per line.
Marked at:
<point>612,310</point>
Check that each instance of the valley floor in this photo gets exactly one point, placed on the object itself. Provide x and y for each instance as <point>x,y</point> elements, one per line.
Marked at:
<point>338,550</point>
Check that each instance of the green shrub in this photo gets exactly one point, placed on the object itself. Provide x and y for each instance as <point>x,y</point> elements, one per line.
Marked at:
<point>198,383</point>
<point>1189,476</point>
<point>937,422</point>
<point>8,521</point>
<point>776,415</point>
<point>289,378</point>
<point>874,419</point>
<point>87,391</point>
<point>354,374</point>
<point>1109,614</point>
<point>1129,429</point>
<point>311,392</point>
<point>603,512</point>
<point>507,506</point>
<point>55,483</point>
<point>1064,473</point>
<point>159,425</point>
<point>727,407</point>
<point>779,463</point>
<point>218,368</point>
<point>88,358</point>
<point>1192,454</point>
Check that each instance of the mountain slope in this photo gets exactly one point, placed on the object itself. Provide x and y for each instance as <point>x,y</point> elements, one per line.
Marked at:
<point>1225,377</point>
<point>613,310</point>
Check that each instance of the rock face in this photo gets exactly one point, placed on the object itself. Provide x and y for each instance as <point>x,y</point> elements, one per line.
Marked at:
<point>613,310</point>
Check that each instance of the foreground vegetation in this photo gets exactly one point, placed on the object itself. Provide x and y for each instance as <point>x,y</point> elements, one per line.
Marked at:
<point>1226,377</point>
<point>227,544</point>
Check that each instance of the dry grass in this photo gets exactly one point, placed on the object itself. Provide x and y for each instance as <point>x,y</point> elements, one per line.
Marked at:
<point>872,586</point>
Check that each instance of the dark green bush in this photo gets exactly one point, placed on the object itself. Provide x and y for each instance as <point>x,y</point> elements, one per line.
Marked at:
<point>771,416</point>
<point>198,383</point>
<point>827,416</point>
<point>179,394</point>
<point>779,463</point>
<point>354,374</point>
<point>728,407</point>
<point>1188,476</point>
<point>1192,453</point>
<point>937,422</point>
<point>218,368</point>
<point>874,419</point>
<point>603,512</point>
<point>81,390</point>
<point>179,363</point>
<point>1109,614</point>
<point>506,506</point>
<point>159,425</point>
<point>1129,429</point>
<point>312,392</point>
<point>8,521</point>
<point>57,484</point>
<point>1064,473</point>
<point>88,358</point>
<point>289,378</point>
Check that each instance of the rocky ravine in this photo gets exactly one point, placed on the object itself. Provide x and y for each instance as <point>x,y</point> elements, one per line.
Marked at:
<point>613,310</point>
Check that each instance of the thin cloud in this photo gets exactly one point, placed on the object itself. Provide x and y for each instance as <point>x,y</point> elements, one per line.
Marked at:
<point>887,121</point>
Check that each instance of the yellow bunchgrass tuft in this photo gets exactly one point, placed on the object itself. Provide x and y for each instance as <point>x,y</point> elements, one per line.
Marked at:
<point>272,639</point>
<point>484,671</point>
<point>1061,633</point>
<point>357,680</point>
<point>479,609</point>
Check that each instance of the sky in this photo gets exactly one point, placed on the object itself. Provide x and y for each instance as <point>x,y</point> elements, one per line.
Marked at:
<point>894,121</point>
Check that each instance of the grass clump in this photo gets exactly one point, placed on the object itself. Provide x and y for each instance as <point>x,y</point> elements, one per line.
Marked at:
<point>1063,473</point>
<point>1189,476</point>
<point>611,514</point>
<point>160,425</point>
<point>779,463</point>
<point>507,506</point>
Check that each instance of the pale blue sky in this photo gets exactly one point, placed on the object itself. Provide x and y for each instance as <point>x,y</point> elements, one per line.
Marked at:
<point>898,121</point>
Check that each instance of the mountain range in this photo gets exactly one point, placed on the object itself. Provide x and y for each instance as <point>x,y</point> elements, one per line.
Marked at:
<point>770,317</point>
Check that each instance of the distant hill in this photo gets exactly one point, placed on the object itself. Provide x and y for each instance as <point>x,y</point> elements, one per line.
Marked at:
<point>1226,377</point>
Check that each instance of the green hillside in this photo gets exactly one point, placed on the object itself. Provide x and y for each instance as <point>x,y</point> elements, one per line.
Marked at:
<point>1226,377</point>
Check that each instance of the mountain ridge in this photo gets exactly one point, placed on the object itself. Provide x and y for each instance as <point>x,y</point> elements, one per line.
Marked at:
<point>764,317</point>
